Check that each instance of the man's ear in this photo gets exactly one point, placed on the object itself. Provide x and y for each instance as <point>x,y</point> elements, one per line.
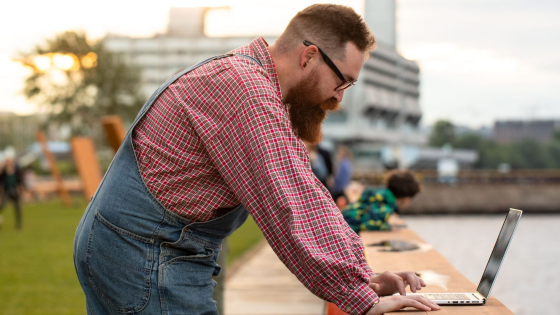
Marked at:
<point>308,56</point>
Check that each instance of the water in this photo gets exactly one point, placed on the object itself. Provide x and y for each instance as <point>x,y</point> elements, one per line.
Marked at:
<point>529,279</point>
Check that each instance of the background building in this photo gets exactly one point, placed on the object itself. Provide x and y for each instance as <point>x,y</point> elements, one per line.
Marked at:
<point>507,131</point>
<point>183,44</point>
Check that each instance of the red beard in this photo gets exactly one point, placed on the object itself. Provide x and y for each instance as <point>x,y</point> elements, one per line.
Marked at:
<point>307,111</point>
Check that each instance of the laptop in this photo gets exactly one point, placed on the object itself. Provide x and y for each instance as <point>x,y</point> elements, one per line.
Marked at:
<point>492,267</point>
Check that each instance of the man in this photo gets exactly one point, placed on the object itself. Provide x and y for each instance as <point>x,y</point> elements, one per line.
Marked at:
<point>216,143</point>
<point>372,210</point>
<point>317,162</point>
<point>326,155</point>
<point>343,170</point>
<point>2,160</point>
<point>11,185</point>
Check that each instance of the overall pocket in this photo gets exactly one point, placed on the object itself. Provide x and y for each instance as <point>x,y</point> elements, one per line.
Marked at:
<point>119,265</point>
<point>185,277</point>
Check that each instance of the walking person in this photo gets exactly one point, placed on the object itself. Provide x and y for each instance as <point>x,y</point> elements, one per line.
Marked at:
<point>318,163</point>
<point>216,143</point>
<point>11,187</point>
<point>343,173</point>
<point>2,161</point>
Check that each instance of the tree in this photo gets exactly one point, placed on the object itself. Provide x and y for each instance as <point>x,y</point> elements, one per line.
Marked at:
<point>554,153</point>
<point>443,132</point>
<point>77,82</point>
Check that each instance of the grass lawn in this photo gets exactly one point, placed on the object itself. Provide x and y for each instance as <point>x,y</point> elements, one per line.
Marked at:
<point>36,269</point>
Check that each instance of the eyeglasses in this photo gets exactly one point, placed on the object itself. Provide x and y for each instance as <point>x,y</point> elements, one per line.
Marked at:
<point>345,83</point>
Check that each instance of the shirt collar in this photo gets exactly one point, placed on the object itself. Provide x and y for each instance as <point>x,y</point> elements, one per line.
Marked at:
<point>259,50</point>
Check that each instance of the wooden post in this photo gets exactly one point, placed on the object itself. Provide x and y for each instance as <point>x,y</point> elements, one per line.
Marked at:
<point>87,164</point>
<point>114,130</point>
<point>54,169</point>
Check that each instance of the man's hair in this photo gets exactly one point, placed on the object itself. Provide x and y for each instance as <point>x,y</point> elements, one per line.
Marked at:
<point>402,184</point>
<point>329,26</point>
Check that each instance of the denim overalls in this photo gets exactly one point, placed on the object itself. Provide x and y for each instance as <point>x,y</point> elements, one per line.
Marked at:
<point>134,256</point>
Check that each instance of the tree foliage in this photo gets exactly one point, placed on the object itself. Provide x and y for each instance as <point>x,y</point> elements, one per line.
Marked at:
<point>91,83</point>
<point>443,133</point>
<point>525,154</point>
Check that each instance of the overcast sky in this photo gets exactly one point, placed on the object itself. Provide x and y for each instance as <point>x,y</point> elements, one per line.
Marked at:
<point>480,60</point>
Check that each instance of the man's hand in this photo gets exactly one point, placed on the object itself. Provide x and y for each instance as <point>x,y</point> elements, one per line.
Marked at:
<point>389,283</point>
<point>396,302</point>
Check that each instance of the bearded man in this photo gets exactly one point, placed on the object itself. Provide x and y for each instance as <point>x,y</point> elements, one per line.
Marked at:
<point>216,143</point>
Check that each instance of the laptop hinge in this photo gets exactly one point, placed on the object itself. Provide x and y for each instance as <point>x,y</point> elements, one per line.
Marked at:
<point>479,296</point>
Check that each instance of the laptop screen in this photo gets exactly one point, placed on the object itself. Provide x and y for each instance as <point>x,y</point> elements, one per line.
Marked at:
<point>498,253</point>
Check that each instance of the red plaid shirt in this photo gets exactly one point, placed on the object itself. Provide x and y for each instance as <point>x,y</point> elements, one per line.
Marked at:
<point>220,136</point>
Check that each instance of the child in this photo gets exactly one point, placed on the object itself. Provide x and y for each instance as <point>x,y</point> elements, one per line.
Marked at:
<point>375,205</point>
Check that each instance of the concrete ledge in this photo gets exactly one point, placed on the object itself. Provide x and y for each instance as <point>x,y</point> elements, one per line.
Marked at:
<point>486,198</point>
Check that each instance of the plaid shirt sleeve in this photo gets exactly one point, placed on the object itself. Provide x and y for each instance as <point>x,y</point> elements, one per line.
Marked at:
<point>267,167</point>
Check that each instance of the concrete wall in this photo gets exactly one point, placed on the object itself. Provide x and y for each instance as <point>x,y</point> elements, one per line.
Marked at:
<point>486,198</point>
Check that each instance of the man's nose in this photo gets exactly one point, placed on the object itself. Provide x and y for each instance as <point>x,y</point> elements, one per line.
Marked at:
<point>339,95</point>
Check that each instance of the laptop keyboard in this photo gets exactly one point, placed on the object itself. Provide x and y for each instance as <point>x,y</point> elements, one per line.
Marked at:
<point>446,296</point>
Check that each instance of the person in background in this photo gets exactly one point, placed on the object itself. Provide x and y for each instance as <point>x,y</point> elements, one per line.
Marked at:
<point>327,157</point>
<point>318,163</point>
<point>11,178</point>
<point>29,180</point>
<point>343,170</point>
<point>341,200</point>
<point>2,162</point>
<point>372,210</point>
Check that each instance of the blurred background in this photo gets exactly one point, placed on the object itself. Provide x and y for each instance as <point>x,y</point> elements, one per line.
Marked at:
<point>465,93</point>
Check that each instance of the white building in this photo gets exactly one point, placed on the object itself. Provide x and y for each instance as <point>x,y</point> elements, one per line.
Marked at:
<point>381,109</point>
<point>183,45</point>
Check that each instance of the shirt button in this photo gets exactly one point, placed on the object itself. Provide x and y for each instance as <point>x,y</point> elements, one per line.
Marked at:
<point>185,229</point>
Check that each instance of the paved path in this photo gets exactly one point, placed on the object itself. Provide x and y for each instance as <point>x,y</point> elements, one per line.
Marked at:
<point>264,286</point>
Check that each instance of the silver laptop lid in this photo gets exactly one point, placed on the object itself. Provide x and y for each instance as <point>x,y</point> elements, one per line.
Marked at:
<point>499,252</point>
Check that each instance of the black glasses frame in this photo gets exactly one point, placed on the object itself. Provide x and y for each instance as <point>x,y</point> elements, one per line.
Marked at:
<point>345,83</point>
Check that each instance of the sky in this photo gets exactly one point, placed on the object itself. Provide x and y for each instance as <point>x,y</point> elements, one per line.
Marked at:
<point>480,60</point>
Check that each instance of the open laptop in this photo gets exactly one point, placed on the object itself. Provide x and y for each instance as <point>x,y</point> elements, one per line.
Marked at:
<point>492,267</point>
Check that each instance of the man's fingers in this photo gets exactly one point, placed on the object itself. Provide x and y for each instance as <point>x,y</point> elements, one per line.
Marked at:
<point>413,281</point>
<point>396,302</point>
<point>416,304</point>
<point>400,285</point>
<point>417,281</point>
<point>424,301</point>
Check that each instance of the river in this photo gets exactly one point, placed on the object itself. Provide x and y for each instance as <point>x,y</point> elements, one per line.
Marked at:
<point>529,279</point>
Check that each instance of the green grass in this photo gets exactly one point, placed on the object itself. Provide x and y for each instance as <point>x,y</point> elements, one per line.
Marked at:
<point>247,236</point>
<point>36,268</point>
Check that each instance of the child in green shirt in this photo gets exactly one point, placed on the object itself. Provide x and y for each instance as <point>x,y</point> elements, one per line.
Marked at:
<point>372,210</point>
